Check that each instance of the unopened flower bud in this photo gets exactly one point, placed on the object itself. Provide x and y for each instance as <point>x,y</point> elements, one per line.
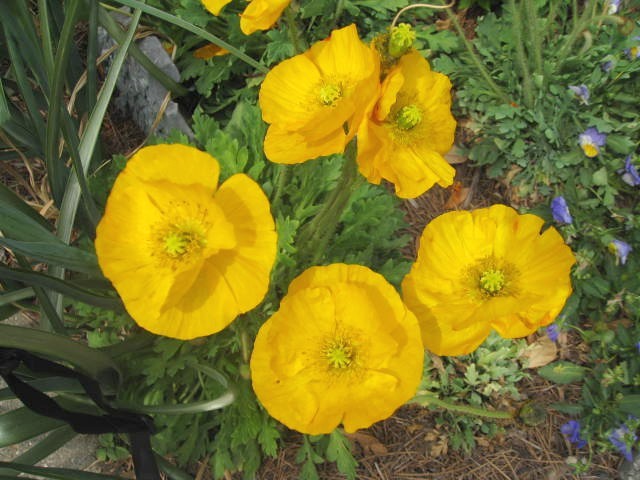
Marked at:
<point>401,40</point>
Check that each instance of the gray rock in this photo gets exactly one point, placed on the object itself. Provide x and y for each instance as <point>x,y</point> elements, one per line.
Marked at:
<point>630,470</point>
<point>140,95</point>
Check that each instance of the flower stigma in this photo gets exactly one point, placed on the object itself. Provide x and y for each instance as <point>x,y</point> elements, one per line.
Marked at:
<point>179,241</point>
<point>339,354</point>
<point>329,94</point>
<point>409,116</point>
<point>492,281</point>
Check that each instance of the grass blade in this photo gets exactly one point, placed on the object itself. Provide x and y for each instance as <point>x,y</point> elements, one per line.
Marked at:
<point>65,288</point>
<point>22,424</point>
<point>93,362</point>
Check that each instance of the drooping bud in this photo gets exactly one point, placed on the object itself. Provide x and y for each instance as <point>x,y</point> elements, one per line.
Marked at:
<point>401,40</point>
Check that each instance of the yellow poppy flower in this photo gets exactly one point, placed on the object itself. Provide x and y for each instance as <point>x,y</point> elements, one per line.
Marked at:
<point>214,6</point>
<point>210,50</point>
<point>342,349</point>
<point>486,269</point>
<point>308,99</point>
<point>261,15</point>
<point>410,130</point>
<point>258,15</point>
<point>185,256</point>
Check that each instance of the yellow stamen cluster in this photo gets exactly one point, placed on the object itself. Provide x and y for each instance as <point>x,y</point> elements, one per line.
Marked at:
<point>339,354</point>
<point>409,116</point>
<point>329,94</point>
<point>492,281</point>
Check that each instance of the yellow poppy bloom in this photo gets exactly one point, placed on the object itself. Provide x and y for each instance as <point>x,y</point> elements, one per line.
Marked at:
<point>185,256</point>
<point>410,130</point>
<point>342,349</point>
<point>308,99</point>
<point>210,50</point>
<point>486,269</point>
<point>214,6</point>
<point>259,14</point>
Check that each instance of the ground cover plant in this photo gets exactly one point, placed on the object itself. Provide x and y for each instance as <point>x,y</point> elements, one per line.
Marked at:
<point>253,279</point>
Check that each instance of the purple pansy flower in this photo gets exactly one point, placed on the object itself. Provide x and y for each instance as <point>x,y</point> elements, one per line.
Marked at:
<point>553,332</point>
<point>630,175</point>
<point>571,430</point>
<point>638,347</point>
<point>607,66</point>
<point>620,249</point>
<point>560,211</point>
<point>581,91</point>
<point>633,52</point>
<point>623,439</point>
<point>591,140</point>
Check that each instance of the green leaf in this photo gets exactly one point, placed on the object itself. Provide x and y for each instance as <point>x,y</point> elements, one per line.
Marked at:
<point>55,440</point>
<point>22,424</point>
<point>339,451</point>
<point>18,220</point>
<point>568,408</point>
<point>94,363</point>
<point>5,114</point>
<point>630,404</point>
<point>67,288</point>
<point>600,177</point>
<point>562,372</point>
<point>56,473</point>
<point>56,253</point>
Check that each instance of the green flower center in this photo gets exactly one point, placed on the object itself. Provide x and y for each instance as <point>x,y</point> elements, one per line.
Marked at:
<point>329,94</point>
<point>179,242</point>
<point>339,354</point>
<point>409,116</point>
<point>492,281</point>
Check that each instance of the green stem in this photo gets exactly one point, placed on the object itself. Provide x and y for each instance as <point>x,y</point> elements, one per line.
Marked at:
<point>429,400</point>
<point>535,38</point>
<point>477,62</point>
<point>521,56</point>
<point>298,43</point>
<point>284,176</point>
<point>317,234</point>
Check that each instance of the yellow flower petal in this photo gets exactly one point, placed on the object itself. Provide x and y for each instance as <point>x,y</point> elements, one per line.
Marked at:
<point>214,6</point>
<point>482,270</point>
<point>342,348</point>
<point>410,130</point>
<point>186,259</point>
<point>315,95</point>
<point>281,146</point>
<point>261,15</point>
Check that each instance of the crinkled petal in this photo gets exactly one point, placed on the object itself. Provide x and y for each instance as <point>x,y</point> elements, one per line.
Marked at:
<point>261,15</point>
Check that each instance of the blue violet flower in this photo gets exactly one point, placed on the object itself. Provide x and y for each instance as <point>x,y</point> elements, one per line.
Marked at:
<point>623,439</point>
<point>560,211</point>
<point>571,430</point>
<point>581,91</point>
<point>621,250</point>
<point>630,174</point>
<point>591,140</point>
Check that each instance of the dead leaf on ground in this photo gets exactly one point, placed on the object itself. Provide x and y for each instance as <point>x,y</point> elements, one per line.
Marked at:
<point>540,353</point>
<point>458,195</point>
<point>370,445</point>
<point>455,156</point>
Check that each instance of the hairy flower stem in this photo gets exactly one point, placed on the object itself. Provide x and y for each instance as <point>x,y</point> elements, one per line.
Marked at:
<point>535,38</point>
<point>284,176</point>
<point>428,400</point>
<point>299,45</point>
<point>317,234</point>
<point>477,62</point>
<point>521,56</point>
